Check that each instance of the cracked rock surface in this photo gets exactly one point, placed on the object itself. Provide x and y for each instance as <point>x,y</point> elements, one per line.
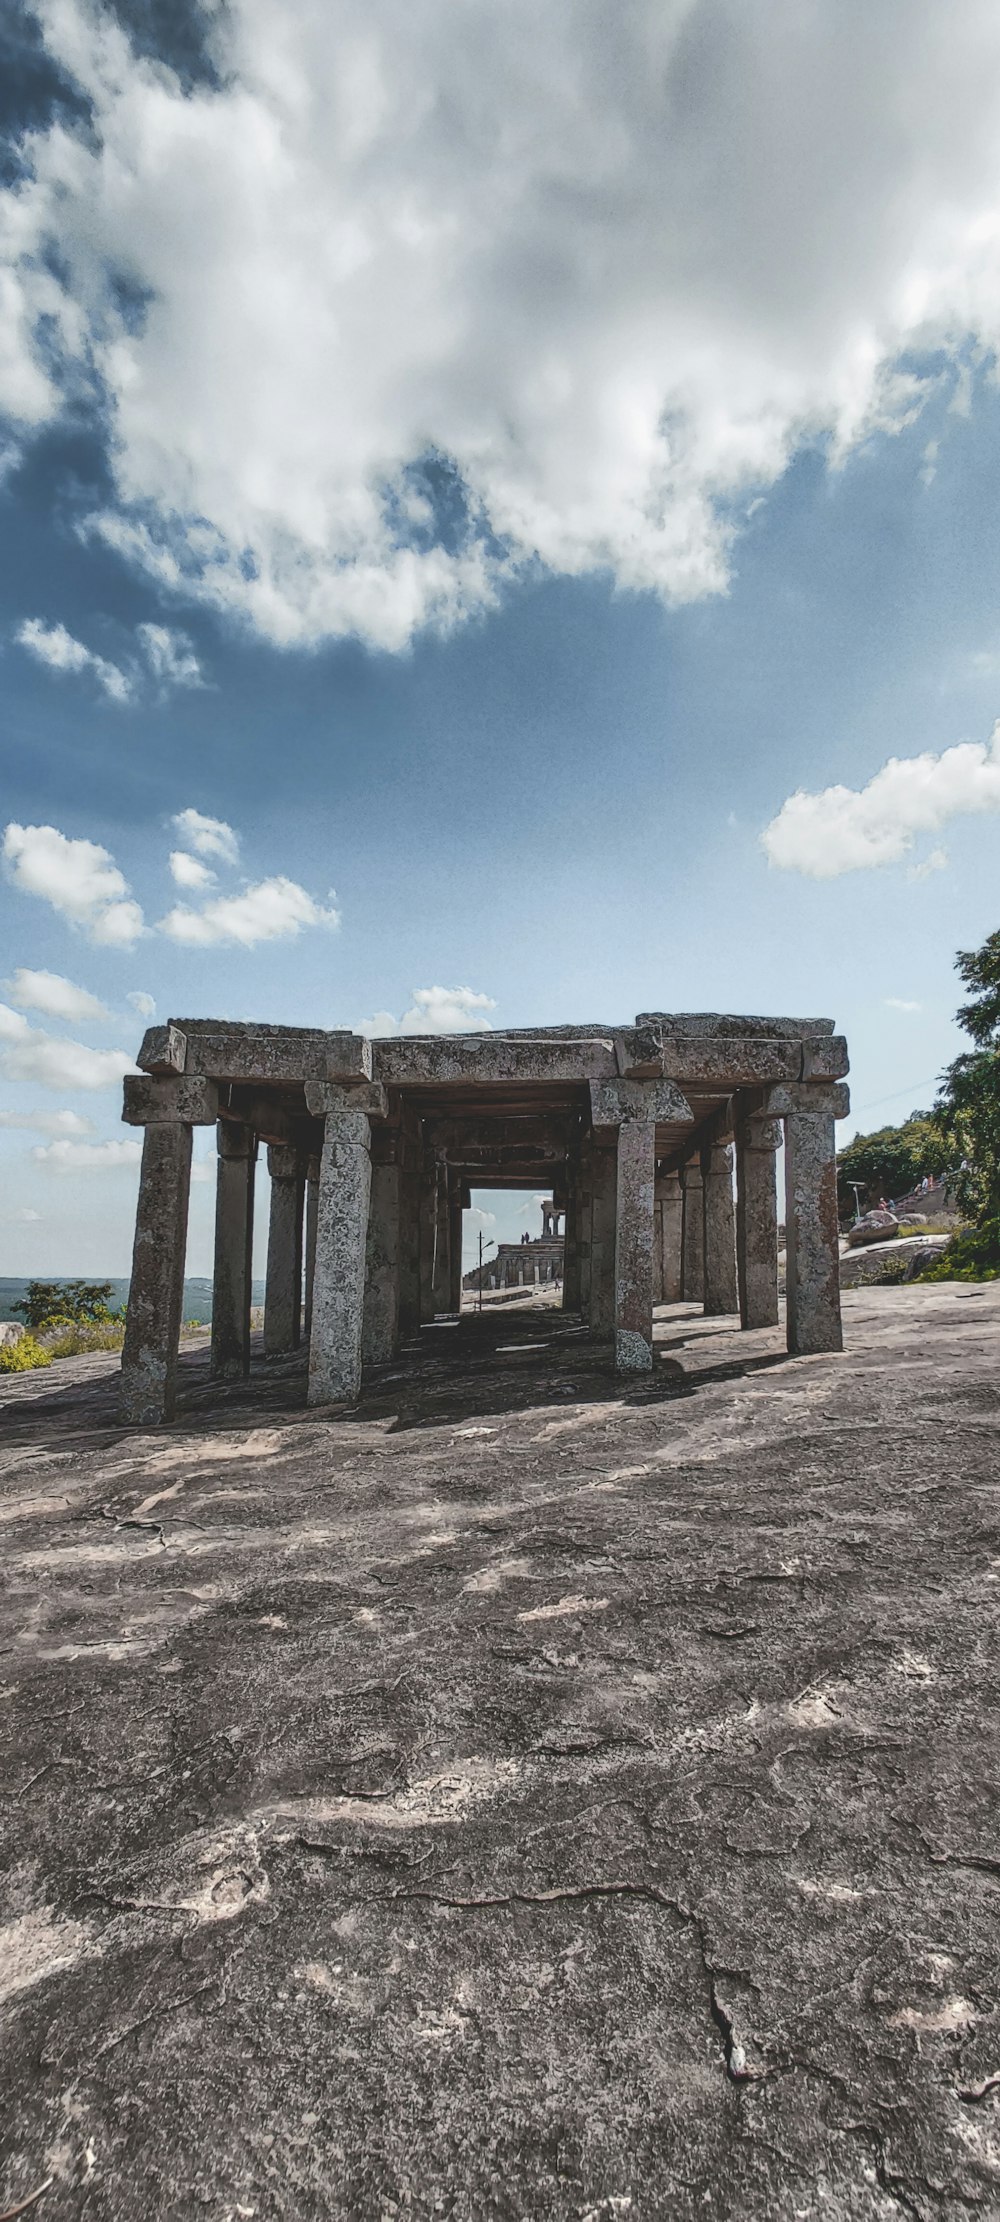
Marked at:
<point>526,1795</point>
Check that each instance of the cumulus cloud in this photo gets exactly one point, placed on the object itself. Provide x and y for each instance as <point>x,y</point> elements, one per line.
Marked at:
<point>28,1053</point>
<point>78,878</point>
<point>56,997</point>
<point>46,1122</point>
<point>53,645</point>
<point>435,1011</point>
<point>901,1003</point>
<point>141,1002</point>
<point>850,829</point>
<point>431,297</point>
<point>207,836</point>
<point>170,656</point>
<point>273,910</point>
<point>88,1157</point>
<point>189,872</point>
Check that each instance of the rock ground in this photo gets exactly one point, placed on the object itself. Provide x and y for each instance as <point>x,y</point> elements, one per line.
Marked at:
<point>524,1796</point>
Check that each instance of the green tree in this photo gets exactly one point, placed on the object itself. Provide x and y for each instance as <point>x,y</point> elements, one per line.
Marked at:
<point>892,1161</point>
<point>967,1112</point>
<point>83,1302</point>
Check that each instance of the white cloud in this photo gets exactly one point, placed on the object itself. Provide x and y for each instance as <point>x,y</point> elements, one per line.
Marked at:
<point>53,645</point>
<point>88,1157</point>
<point>141,1002</point>
<point>901,1003</point>
<point>32,1055</point>
<point>273,910</point>
<point>170,656</point>
<point>46,1122</point>
<point>435,1011</point>
<point>207,836</point>
<point>23,1218</point>
<point>79,879</point>
<point>56,997</point>
<point>612,267</point>
<point>848,829</point>
<point>189,871</point>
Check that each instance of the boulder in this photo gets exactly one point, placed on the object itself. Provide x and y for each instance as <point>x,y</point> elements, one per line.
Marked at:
<point>876,1226</point>
<point>11,1330</point>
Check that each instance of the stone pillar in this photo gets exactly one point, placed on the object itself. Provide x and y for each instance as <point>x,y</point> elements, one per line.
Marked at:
<point>634,1246</point>
<point>720,1231</point>
<point>168,1108</point>
<point>441,1273</point>
<point>757,1221</point>
<point>380,1327</point>
<point>812,1251</point>
<point>693,1235</point>
<point>231,1285</point>
<point>571,1244</point>
<point>454,1244</point>
<point>345,1179</point>
<point>156,1289</point>
<point>409,1237</point>
<point>584,1227</point>
<point>312,1207</point>
<point>602,1242</point>
<point>283,1287</point>
<point>671,1214</point>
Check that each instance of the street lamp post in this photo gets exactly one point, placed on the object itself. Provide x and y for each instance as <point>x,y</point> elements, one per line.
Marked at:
<point>489,1246</point>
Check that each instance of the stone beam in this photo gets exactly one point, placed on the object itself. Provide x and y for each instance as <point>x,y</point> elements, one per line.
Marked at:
<point>147,1101</point>
<point>727,1025</point>
<point>490,1060</point>
<point>737,1063</point>
<point>612,1103</point>
<point>263,1053</point>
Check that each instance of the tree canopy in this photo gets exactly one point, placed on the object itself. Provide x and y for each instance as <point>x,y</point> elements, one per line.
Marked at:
<point>891,1161</point>
<point>967,1112</point>
<point>83,1302</point>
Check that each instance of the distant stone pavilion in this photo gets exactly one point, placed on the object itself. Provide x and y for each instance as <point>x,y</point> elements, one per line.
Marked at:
<point>373,1148</point>
<point>534,1262</point>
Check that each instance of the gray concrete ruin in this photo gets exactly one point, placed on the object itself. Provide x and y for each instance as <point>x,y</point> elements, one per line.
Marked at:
<point>373,1147</point>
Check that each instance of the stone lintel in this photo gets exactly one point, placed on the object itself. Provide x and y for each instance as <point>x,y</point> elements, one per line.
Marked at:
<point>758,1133</point>
<point>824,1102</point>
<point>621,1102</point>
<point>324,1096</point>
<point>725,1025</point>
<point>485,1060</point>
<point>741,1064</point>
<point>164,1049</point>
<point>271,1119</point>
<point>153,1100</point>
<point>276,1053</point>
<point>639,1052</point>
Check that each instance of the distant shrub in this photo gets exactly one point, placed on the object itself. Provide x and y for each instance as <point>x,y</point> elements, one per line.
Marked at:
<point>972,1255</point>
<point>68,1338</point>
<point>81,1303</point>
<point>22,1356</point>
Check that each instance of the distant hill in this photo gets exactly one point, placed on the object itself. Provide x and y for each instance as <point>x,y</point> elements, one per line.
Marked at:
<point>197,1295</point>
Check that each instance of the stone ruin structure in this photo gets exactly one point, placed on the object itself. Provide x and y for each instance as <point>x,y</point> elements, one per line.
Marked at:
<point>534,1262</point>
<point>373,1146</point>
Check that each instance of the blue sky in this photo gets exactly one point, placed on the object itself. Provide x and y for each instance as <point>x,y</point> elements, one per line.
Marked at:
<point>508,585</point>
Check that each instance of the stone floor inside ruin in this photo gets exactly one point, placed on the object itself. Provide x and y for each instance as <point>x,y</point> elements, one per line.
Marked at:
<point>523,1796</point>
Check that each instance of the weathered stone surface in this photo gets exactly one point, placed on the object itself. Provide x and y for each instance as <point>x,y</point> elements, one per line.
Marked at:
<point>669,1209</point>
<point>174,1097</point>
<point>345,1174</point>
<point>613,1103</point>
<point>312,1212</point>
<point>283,1287</point>
<point>11,1331</point>
<point>232,1285</point>
<point>164,1049</point>
<point>572,1292</point>
<point>812,1277</point>
<point>487,1059</point>
<point>323,1096</point>
<point>820,1098</point>
<point>757,1221</point>
<point>273,1053</point>
<point>731,1026</point>
<point>604,1187</point>
<point>560,1821</point>
<point>634,1246</point>
<point>876,1226</point>
<point>380,1326</point>
<point>152,1327</point>
<point>693,1234</point>
<point>720,1294</point>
